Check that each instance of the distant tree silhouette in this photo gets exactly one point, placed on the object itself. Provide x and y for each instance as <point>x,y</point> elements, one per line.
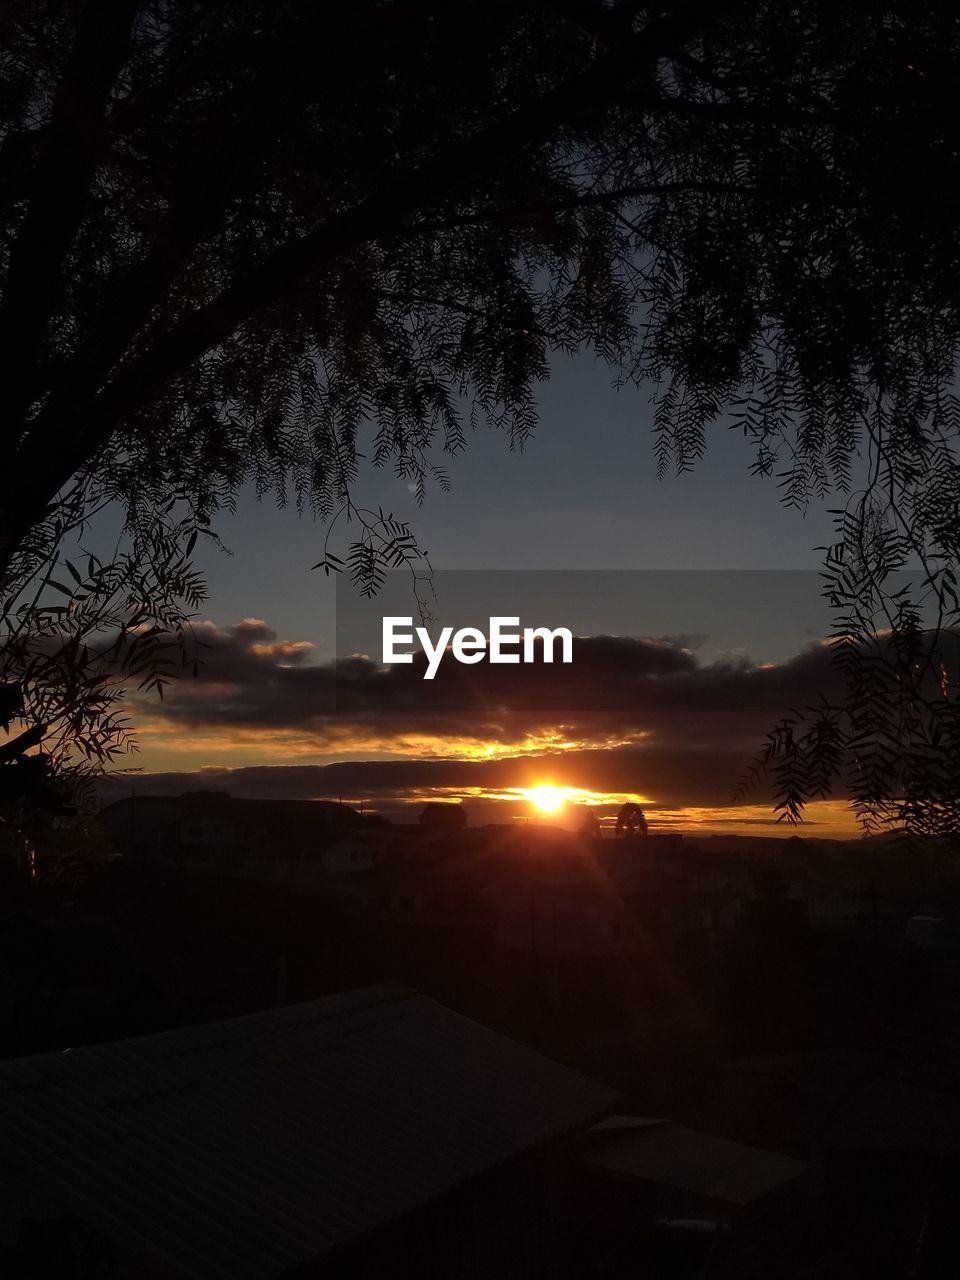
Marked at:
<point>443,819</point>
<point>631,820</point>
<point>222,262</point>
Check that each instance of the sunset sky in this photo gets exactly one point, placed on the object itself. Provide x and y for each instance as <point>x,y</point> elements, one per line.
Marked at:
<point>695,599</point>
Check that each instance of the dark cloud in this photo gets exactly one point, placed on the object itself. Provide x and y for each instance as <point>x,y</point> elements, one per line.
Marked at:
<point>617,689</point>
<point>637,715</point>
<point>631,714</point>
<point>675,778</point>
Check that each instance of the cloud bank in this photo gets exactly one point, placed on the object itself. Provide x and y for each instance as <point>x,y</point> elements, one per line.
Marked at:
<point>630,714</point>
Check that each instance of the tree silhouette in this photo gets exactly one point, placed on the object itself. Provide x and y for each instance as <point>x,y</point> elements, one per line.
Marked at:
<point>72,644</point>
<point>443,819</point>
<point>222,263</point>
<point>631,820</point>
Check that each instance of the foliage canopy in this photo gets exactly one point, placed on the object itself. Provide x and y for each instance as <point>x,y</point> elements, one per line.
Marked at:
<point>255,242</point>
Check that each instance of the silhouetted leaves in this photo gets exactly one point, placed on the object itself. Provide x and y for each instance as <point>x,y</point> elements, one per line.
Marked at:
<point>245,267</point>
<point>71,665</point>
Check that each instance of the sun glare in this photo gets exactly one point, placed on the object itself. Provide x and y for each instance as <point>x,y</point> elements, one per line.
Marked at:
<point>546,798</point>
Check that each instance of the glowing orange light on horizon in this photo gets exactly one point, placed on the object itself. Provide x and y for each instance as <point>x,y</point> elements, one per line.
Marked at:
<point>546,798</point>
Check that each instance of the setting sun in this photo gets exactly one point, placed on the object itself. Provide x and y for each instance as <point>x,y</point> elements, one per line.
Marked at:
<point>547,799</point>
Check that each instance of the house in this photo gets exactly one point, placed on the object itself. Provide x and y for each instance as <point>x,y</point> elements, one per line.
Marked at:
<point>560,896</point>
<point>704,1172</point>
<point>359,850</point>
<point>432,885</point>
<point>213,828</point>
<point>370,1134</point>
<point>688,1203</point>
<point>576,921</point>
<point>563,895</point>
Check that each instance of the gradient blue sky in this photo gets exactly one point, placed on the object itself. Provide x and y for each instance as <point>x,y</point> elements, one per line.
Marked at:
<point>583,495</point>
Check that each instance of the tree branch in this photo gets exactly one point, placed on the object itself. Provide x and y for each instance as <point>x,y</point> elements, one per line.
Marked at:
<point>52,453</point>
<point>60,192</point>
<point>584,200</point>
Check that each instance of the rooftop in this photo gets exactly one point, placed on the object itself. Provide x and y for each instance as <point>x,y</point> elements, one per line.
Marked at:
<point>245,1148</point>
<point>657,1151</point>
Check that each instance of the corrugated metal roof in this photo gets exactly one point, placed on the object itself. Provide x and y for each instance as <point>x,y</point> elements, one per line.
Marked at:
<point>696,1162</point>
<point>243,1148</point>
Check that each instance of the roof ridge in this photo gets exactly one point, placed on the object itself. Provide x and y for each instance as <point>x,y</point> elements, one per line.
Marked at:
<point>266,1019</point>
